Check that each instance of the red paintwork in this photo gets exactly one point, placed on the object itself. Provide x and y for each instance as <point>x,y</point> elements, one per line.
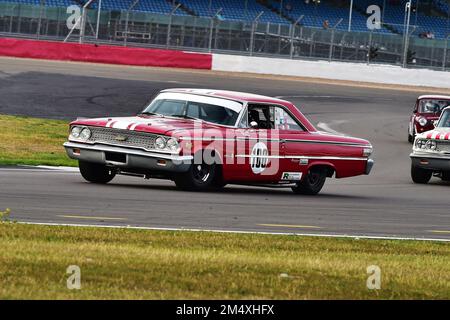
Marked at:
<point>313,143</point>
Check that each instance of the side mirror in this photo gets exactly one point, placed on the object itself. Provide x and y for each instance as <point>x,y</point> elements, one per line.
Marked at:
<point>253,124</point>
<point>435,123</point>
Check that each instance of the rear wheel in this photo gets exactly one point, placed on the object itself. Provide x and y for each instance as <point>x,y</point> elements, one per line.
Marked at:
<point>313,182</point>
<point>199,177</point>
<point>420,175</point>
<point>96,173</point>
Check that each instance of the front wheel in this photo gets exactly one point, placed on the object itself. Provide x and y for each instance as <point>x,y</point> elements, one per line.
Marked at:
<point>419,175</point>
<point>411,135</point>
<point>96,173</point>
<point>199,177</point>
<point>312,183</point>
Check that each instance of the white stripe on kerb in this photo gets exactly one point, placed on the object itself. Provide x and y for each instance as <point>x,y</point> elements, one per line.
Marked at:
<point>238,231</point>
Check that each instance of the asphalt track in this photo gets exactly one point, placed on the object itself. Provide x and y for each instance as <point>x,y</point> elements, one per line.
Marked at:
<point>386,203</point>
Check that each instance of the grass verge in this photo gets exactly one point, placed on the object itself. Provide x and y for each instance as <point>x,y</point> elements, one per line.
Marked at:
<point>33,141</point>
<point>141,264</point>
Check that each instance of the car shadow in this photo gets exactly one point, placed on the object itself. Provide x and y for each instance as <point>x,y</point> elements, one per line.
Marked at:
<point>233,189</point>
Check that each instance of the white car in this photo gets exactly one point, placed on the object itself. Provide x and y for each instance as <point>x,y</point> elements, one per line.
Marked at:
<point>431,152</point>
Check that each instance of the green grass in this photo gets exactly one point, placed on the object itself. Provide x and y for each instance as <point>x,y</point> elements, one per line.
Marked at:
<point>32,141</point>
<point>139,264</point>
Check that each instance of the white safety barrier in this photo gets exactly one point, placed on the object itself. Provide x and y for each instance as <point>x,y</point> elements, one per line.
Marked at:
<point>384,74</point>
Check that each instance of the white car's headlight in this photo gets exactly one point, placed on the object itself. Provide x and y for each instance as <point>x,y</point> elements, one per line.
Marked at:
<point>172,144</point>
<point>85,134</point>
<point>432,145</point>
<point>160,143</point>
<point>422,121</point>
<point>75,132</point>
<point>421,143</point>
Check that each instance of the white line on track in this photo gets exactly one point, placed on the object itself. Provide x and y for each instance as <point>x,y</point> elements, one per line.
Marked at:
<point>39,168</point>
<point>356,237</point>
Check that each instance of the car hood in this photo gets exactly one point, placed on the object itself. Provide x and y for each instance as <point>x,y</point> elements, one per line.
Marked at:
<point>149,124</point>
<point>440,133</point>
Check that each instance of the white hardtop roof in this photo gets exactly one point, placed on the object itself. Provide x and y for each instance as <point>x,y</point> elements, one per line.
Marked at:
<point>434,96</point>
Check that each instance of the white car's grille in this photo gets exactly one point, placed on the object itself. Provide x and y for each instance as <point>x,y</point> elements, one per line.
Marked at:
<point>443,146</point>
<point>121,137</point>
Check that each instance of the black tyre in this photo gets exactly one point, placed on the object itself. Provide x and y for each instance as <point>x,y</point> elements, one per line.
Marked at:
<point>420,175</point>
<point>313,181</point>
<point>445,176</point>
<point>96,173</point>
<point>199,177</point>
<point>411,137</point>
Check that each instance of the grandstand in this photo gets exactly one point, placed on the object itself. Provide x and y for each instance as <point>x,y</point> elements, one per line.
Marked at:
<point>431,15</point>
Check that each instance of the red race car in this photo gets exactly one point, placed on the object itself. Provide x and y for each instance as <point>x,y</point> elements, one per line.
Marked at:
<point>426,111</point>
<point>204,139</point>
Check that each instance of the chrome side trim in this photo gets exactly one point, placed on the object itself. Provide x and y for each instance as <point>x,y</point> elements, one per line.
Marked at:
<point>304,157</point>
<point>345,144</point>
<point>126,151</point>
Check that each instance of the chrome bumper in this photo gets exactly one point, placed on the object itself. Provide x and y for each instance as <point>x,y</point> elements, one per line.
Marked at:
<point>137,159</point>
<point>369,166</point>
<point>431,161</point>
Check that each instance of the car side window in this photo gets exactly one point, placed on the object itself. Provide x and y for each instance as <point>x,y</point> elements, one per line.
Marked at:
<point>262,115</point>
<point>284,121</point>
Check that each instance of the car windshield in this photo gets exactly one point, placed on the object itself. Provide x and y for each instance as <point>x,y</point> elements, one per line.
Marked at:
<point>445,120</point>
<point>433,105</point>
<point>188,106</point>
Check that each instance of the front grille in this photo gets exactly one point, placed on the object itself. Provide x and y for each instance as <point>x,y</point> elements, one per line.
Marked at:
<point>443,146</point>
<point>121,137</point>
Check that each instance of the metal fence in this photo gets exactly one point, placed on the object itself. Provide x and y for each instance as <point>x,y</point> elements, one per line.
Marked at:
<point>294,41</point>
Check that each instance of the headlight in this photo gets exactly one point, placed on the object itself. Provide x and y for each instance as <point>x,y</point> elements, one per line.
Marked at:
<point>172,144</point>
<point>160,143</point>
<point>432,145</point>
<point>421,143</point>
<point>76,132</point>
<point>85,134</point>
<point>422,121</point>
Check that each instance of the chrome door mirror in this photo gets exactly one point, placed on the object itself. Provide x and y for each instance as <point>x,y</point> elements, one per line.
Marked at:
<point>253,124</point>
<point>435,123</point>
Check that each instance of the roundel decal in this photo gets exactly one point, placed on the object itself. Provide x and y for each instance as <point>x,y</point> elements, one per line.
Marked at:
<point>259,158</point>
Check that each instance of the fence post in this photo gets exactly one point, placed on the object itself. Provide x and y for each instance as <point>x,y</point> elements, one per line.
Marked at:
<point>369,47</point>
<point>444,60</point>
<point>127,21</point>
<point>99,11</point>
<point>252,36</point>
<point>41,7</point>
<point>330,57</point>
<point>169,27</point>
<point>293,26</point>
<point>406,31</point>
<point>213,18</point>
